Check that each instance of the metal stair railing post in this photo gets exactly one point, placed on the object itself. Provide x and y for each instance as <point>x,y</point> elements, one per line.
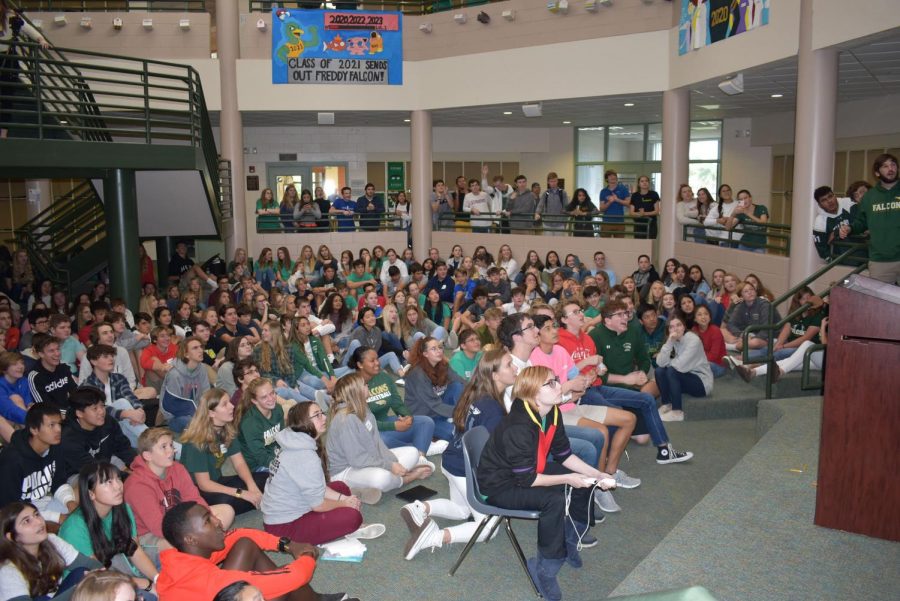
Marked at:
<point>772,327</point>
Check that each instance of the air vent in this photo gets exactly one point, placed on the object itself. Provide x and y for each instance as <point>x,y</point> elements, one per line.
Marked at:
<point>287,158</point>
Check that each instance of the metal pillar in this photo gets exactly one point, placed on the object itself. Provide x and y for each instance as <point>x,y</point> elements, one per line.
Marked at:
<point>120,206</point>
<point>38,196</point>
<point>814,130</point>
<point>421,167</point>
<point>676,140</point>
<point>231,127</point>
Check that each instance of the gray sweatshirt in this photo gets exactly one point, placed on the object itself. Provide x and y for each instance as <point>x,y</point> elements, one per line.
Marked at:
<point>355,443</point>
<point>296,483</point>
<point>689,358</point>
<point>424,398</point>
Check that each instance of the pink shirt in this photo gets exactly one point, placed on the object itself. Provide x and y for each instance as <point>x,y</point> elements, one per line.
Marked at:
<point>560,362</point>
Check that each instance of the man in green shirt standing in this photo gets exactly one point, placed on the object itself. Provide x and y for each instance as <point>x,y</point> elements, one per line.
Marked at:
<point>879,213</point>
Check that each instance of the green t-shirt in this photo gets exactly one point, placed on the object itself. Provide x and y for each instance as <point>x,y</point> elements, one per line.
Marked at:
<point>257,436</point>
<point>622,354</point>
<point>351,302</point>
<point>750,237</point>
<point>590,312</point>
<point>197,461</point>
<point>383,398</point>
<point>800,324</point>
<point>75,532</point>
<point>463,366</point>
<point>879,213</point>
<point>267,222</point>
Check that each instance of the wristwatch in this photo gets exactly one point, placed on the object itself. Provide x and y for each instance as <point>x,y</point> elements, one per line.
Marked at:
<point>238,492</point>
<point>283,544</point>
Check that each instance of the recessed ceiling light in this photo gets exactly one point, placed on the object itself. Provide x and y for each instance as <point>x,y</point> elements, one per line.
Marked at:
<point>406,120</point>
<point>709,107</point>
<point>629,104</point>
<point>507,112</point>
<point>777,95</point>
<point>567,123</point>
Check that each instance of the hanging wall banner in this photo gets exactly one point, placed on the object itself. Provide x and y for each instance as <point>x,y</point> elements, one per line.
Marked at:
<point>333,46</point>
<point>705,22</point>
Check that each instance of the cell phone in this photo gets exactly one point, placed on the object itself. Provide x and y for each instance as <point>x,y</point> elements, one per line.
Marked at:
<point>416,493</point>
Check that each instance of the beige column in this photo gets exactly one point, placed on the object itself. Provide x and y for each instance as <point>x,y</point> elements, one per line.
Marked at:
<point>38,196</point>
<point>676,139</point>
<point>230,125</point>
<point>814,128</point>
<point>421,167</point>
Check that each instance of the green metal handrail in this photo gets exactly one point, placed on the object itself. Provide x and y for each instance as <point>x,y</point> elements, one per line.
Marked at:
<point>385,222</point>
<point>98,6</point>
<point>778,231</point>
<point>631,226</point>
<point>407,7</point>
<point>774,326</point>
<point>807,369</point>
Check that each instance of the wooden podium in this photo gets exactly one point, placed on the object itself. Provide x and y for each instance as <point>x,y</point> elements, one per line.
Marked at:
<point>859,456</point>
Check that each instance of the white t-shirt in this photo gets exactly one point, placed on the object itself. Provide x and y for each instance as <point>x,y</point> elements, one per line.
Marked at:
<point>13,584</point>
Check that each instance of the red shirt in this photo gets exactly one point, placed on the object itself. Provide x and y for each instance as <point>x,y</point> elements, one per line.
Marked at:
<point>713,343</point>
<point>152,352</point>
<point>580,347</point>
<point>148,274</point>
<point>11,340</point>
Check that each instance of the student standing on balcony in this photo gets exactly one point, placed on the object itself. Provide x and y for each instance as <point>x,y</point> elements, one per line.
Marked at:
<point>371,206</point>
<point>267,212</point>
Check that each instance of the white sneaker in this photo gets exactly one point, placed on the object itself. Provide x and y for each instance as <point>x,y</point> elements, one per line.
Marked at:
<point>665,408</point>
<point>423,461</point>
<point>605,501</point>
<point>399,382</point>
<point>623,480</point>
<point>437,447</point>
<point>414,515</point>
<point>732,362</point>
<point>368,531</point>
<point>673,416</point>
<point>428,536</point>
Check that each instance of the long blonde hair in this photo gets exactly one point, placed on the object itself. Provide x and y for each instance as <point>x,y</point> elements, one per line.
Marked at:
<point>406,328</point>
<point>275,350</point>
<point>201,432</point>
<point>350,397</point>
<point>395,328</point>
<point>247,399</point>
<point>528,384</point>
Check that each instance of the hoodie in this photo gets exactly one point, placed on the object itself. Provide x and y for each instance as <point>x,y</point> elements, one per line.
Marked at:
<point>150,496</point>
<point>296,481</point>
<point>27,476</point>
<point>80,447</point>
<point>184,576</point>
<point>183,387</point>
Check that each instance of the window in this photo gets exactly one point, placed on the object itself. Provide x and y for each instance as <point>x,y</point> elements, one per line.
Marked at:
<point>626,143</point>
<point>591,142</point>
<point>705,158</point>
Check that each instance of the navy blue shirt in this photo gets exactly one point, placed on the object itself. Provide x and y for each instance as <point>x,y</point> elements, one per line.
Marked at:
<point>444,287</point>
<point>485,412</point>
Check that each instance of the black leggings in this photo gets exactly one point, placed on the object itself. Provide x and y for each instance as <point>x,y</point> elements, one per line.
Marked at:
<point>551,501</point>
<point>240,506</point>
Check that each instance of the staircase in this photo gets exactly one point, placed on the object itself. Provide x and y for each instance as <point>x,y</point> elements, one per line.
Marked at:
<point>79,114</point>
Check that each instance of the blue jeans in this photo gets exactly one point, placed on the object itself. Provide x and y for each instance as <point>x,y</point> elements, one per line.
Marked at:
<point>293,395</point>
<point>390,344</point>
<point>439,334</point>
<point>717,370</point>
<point>759,353</point>
<point>672,383</point>
<point>312,381</point>
<point>419,434</point>
<point>643,403</point>
<point>587,443</point>
<point>387,360</point>
<point>443,426</point>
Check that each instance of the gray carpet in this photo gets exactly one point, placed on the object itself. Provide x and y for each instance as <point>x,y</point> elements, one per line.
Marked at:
<point>752,538</point>
<point>491,570</point>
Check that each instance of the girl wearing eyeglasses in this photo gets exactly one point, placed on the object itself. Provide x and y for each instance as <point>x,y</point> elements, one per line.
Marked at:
<point>514,473</point>
<point>300,502</point>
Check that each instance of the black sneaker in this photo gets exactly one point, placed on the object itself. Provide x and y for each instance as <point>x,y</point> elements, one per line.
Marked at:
<point>667,454</point>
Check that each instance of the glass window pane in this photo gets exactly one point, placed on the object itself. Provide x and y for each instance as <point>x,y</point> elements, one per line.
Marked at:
<point>654,142</point>
<point>590,177</point>
<point>626,143</point>
<point>590,144</point>
<point>704,175</point>
<point>705,140</point>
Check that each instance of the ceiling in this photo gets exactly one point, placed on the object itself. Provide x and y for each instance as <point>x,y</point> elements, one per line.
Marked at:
<point>866,69</point>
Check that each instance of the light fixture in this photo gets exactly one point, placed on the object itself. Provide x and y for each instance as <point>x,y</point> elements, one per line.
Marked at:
<point>148,24</point>
<point>59,20</point>
<point>628,104</point>
<point>733,86</point>
<point>63,122</point>
<point>86,22</point>
<point>460,18</point>
<point>567,123</point>
<point>117,23</point>
<point>532,110</point>
<point>483,18</point>
<point>326,118</point>
<point>507,112</point>
<point>425,27</point>
<point>406,120</point>
<point>777,95</point>
<point>509,15</point>
<point>709,107</point>
<point>184,24</point>
<point>261,24</point>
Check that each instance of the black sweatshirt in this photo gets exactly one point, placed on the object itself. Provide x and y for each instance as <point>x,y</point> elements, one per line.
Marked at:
<point>25,475</point>
<point>80,446</point>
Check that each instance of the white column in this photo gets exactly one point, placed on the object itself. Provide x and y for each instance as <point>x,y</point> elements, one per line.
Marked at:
<point>814,129</point>
<point>676,140</point>
<point>421,167</point>
<point>38,196</point>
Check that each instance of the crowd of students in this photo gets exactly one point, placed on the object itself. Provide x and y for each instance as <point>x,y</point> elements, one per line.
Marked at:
<point>134,442</point>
